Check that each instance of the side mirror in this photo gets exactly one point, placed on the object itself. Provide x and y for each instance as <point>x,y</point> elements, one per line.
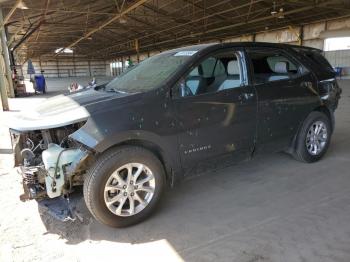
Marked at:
<point>179,89</point>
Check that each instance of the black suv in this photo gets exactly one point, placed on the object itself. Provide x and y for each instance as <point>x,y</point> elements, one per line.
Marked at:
<point>177,112</point>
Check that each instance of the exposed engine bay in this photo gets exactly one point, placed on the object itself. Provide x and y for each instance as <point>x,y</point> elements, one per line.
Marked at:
<point>51,163</point>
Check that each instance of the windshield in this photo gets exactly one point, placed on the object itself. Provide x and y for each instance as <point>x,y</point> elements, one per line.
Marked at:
<point>150,73</point>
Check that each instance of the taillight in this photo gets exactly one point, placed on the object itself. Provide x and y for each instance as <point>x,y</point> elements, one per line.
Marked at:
<point>327,86</point>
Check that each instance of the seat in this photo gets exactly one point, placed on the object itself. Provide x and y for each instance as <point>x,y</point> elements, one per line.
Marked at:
<point>233,78</point>
<point>281,71</point>
<point>219,75</point>
<point>194,79</point>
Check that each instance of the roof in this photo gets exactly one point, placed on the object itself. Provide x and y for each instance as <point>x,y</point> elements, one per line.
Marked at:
<point>239,44</point>
<point>107,29</point>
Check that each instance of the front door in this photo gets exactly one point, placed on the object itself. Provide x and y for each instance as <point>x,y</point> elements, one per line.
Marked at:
<point>216,109</point>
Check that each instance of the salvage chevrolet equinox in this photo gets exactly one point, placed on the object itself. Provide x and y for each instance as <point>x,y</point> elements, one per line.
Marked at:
<point>171,115</point>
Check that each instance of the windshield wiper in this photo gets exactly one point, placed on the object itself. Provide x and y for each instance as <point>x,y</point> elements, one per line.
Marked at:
<point>115,91</point>
<point>119,91</point>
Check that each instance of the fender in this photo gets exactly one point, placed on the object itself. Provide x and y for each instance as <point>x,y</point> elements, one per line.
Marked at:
<point>325,109</point>
<point>164,147</point>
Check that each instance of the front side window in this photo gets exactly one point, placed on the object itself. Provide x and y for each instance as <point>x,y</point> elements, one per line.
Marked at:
<point>272,65</point>
<point>216,73</point>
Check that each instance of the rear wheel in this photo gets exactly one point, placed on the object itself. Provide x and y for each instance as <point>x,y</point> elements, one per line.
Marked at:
<point>124,186</point>
<point>313,138</point>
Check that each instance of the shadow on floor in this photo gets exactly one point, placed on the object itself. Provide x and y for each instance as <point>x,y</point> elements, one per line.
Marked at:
<point>153,228</point>
<point>195,205</point>
<point>226,202</point>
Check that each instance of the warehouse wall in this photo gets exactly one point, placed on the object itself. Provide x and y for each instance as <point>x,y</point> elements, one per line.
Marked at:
<point>69,67</point>
<point>340,58</point>
<point>312,35</point>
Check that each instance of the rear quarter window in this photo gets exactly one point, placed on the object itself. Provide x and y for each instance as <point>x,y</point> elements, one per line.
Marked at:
<point>317,58</point>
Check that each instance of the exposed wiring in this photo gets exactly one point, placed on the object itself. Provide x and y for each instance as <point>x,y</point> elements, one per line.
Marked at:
<point>58,159</point>
<point>38,145</point>
<point>31,143</point>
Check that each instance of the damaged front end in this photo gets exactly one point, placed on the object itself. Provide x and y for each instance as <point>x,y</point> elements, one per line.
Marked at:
<point>50,162</point>
<point>50,154</point>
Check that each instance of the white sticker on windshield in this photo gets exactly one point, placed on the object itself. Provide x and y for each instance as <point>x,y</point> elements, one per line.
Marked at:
<point>185,53</point>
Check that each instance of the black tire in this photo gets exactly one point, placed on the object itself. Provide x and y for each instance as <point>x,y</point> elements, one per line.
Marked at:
<point>99,174</point>
<point>301,152</point>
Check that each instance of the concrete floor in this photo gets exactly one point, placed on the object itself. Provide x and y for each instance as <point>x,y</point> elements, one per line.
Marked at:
<point>272,208</point>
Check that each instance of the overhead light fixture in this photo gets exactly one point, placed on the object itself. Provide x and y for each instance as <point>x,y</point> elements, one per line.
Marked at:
<point>273,11</point>
<point>22,5</point>
<point>281,13</point>
<point>122,20</point>
<point>64,50</point>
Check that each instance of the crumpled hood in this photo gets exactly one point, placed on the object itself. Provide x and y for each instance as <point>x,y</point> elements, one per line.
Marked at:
<point>60,110</point>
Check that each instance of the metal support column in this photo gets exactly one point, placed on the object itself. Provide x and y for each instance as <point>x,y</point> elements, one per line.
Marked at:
<point>58,68</point>
<point>6,56</point>
<point>3,78</point>
<point>89,64</point>
<point>301,35</point>
<point>3,83</point>
<point>74,67</point>
<point>254,38</point>
<point>137,50</point>
<point>123,64</point>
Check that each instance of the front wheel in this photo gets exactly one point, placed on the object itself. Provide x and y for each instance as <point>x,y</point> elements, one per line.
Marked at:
<point>124,185</point>
<point>313,138</point>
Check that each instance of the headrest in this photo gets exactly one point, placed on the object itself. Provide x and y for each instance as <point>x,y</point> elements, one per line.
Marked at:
<point>282,67</point>
<point>194,72</point>
<point>197,71</point>
<point>233,67</point>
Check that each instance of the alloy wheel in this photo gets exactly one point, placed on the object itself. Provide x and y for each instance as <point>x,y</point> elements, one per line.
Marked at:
<point>316,138</point>
<point>129,189</point>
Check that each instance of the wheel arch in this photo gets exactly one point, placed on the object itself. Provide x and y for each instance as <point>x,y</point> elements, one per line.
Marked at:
<point>323,109</point>
<point>154,148</point>
<point>163,147</point>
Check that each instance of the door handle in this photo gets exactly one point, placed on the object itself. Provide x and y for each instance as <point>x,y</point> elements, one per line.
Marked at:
<point>248,96</point>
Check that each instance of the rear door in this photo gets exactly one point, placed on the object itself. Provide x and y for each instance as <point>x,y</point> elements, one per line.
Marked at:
<point>216,110</point>
<point>286,93</point>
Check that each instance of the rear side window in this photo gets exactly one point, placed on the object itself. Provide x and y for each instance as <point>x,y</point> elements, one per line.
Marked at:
<point>271,65</point>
